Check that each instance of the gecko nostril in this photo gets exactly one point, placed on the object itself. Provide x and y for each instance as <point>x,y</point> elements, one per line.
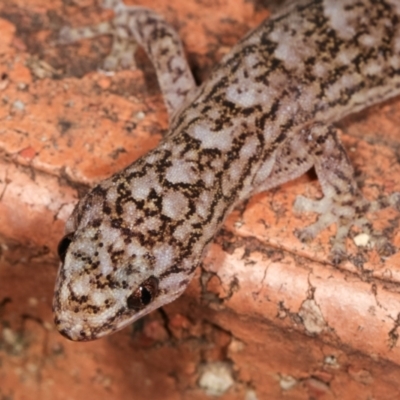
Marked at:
<point>63,246</point>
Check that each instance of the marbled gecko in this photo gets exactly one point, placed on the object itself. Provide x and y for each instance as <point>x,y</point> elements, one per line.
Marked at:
<point>262,118</point>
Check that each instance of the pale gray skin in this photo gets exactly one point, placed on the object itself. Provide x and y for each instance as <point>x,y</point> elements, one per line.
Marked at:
<point>262,118</point>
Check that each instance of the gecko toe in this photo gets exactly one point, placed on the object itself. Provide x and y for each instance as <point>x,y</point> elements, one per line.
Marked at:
<point>337,256</point>
<point>394,200</point>
<point>304,235</point>
<point>384,247</point>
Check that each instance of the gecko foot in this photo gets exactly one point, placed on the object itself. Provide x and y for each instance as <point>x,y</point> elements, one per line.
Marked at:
<point>346,213</point>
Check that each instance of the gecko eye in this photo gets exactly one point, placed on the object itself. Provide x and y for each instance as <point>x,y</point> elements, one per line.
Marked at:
<point>63,246</point>
<point>144,294</point>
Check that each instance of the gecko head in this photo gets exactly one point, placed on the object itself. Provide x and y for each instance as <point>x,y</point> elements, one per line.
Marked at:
<point>112,273</point>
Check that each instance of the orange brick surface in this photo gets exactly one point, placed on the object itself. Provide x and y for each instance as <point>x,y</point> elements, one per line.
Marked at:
<point>266,317</point>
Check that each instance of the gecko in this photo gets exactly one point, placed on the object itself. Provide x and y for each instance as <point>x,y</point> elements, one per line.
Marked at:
<point>263,117</point>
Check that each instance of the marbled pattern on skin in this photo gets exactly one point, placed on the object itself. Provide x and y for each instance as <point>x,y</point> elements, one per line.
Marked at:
<point>262,118</point>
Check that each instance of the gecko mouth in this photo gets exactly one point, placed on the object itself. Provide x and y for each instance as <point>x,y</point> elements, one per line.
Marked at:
<point>78,332</point>
<point>83,326</point>
<point>75,332</point>
<point>82,337</point>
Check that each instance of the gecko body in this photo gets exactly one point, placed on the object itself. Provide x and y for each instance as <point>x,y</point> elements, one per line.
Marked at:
<point>262,118</point>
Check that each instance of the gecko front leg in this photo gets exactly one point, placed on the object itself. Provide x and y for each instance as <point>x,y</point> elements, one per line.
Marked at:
<point>138,26</point>
<point>343,202</point>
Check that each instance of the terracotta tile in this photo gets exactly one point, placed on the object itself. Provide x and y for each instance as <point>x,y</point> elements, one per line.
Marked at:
<point>264,310</point>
